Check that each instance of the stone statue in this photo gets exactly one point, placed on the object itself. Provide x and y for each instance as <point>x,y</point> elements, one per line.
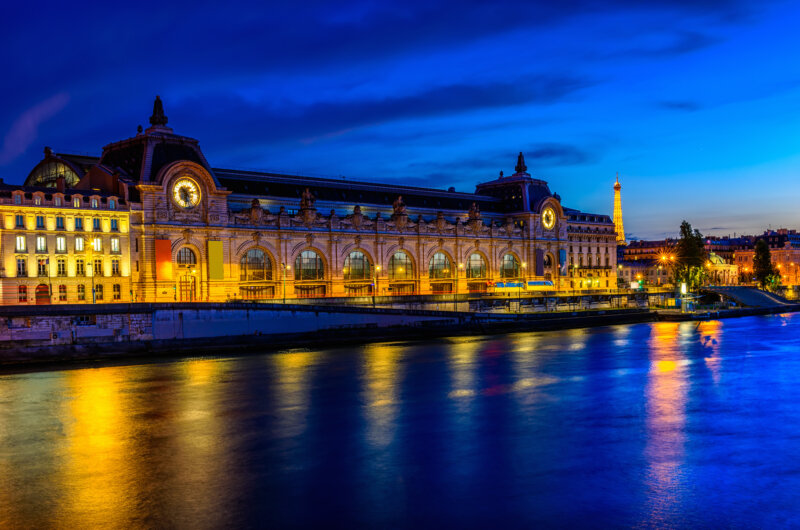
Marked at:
<point>256,213</point>
<point>399,206</point>
<point>307,200</point>
<point>474,212</point>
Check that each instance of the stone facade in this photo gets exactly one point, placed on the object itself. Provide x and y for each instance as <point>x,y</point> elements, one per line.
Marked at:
<point>197,233</point>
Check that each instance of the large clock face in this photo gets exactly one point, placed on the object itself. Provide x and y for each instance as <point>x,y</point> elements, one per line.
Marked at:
<point>548,218</point>
<point>186,193</point>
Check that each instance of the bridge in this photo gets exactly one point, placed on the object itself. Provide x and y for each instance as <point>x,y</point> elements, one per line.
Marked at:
<point>750,296</point>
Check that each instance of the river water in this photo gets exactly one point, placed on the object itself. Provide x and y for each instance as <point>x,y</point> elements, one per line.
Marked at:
<point>667,424</point>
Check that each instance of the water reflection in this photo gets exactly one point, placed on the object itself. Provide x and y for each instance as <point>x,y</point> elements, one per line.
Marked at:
<point>666,420</point>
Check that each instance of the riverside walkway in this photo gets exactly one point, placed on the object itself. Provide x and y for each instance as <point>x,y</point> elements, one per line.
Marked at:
<point>750,296</point>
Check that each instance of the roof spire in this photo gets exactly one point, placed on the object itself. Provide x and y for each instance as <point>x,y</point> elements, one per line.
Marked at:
<point>521,167</point>
<point>158,117</point>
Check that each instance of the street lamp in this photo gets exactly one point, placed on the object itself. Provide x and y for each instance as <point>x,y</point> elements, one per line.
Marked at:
<point>285,267</point>
<point>455,293</point>
<point>375,272</point>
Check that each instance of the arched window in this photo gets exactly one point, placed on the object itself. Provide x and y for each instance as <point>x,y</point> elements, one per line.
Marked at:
<point>186,257</point>
<point>440,266</point>
<point>476,266</point>
<point>255,266</point>
<point>401,267</point>
<point>510,267</point>
<point>357,267</point>
<point>309,266</point>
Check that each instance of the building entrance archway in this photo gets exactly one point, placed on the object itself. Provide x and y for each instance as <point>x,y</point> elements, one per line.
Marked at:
<point>42,294</point>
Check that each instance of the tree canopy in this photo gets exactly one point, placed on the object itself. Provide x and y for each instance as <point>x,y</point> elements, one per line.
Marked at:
<point>690,257</point>
<point>762,265</point>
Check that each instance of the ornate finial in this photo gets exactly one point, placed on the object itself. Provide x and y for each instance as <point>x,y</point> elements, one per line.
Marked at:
<point>158,117</point>
<point>47,150</point>
<point>501,173</point>
<point>521,167</point>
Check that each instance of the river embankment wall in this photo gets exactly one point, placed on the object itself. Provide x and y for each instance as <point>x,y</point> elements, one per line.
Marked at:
<point>56,333</point>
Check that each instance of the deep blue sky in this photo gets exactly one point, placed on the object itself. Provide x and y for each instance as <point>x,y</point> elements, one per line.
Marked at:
<point>694,102</point>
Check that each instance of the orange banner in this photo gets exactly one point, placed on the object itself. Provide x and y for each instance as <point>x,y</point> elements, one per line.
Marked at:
<point>163,259</point>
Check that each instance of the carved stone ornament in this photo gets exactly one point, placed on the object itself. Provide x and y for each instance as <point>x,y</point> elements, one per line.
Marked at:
<point>310,239</point>
<point>358,241</point>
<point>441,242</point>
<point>307,200</point>
<point>401,221</point>
<point>477,243</point>
<point>441,222</point>
<point>401,242</point>
<point>256,237</point>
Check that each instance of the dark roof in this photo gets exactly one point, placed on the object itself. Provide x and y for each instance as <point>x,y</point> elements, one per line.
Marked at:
<point>7,189</point>
<point>281,186</point>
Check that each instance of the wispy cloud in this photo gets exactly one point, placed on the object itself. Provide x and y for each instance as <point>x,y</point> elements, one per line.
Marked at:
<point>24,130</point>
<point>686,106</point>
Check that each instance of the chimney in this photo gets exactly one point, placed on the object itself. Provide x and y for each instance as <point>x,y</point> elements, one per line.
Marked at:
<point>60,183</point>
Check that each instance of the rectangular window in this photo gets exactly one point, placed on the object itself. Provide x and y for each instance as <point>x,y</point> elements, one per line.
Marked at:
<point>79,223</point>
<point>18,198</point>
<point>80,268</point>
<point>41,244</point>
<point>61,268</point>
<point>76,202</point>
<point>57,201</point>
<point>59,223</point>
<point>96,224</point>
<point>114,225</point>
<point>81,293</point>
<point>112,204</point>
<point>114,267</point>
<point>79,242</point>
<point>115,245</point>
<point>98,292</point>
<point>95,203</point>
<point>117,291</point>
<point>22,267</point>
<point>136,242</point>
<point>42,266</point>
<point>62,293</point>
<point>40,222</point>
<point>21,246</point>
<point>22,291</point>
<point>37,200</point>
<point>20,221</point>
<point>98,267</point>
<point>97,244</point>
<point>61,244</point>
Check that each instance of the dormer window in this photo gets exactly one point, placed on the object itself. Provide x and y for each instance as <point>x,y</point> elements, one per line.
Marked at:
<point>37,200</point>
<point>112,204</point>
<point>17,198</point>
<point>57,201</point>
<point>76,202</point>
<point>95,203</point>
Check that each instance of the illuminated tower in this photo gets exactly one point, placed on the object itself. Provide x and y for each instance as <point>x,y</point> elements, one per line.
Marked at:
<point>618,213</point>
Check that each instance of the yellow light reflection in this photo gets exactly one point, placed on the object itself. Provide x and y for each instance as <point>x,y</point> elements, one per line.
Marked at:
<point>380,398</point>
<point>96,481</point>
<point>292,390</point>
<point>665,420</point>
<point>711,335</point>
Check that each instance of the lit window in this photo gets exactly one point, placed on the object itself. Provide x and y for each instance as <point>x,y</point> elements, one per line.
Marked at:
<point>440,266</point>
<point>81,292</point>
<point>61,267</point>
<point>41,244</point>
<point>22,267</point>
<point>400,267</point>
<point>95,203</point>
<point>97,244</point>
<point>98,267</point>
<point>37,200</point>
<point>22,293</point>
<point>357,267</point>
<point>117,291</point>
<point>308,266</point>
<point>79,244</point>
<point>42,266</point>
<point>62,293</point>
<point>80,268</point>
<point>98,292</point>
<point>186,258</point>
<point>114,267</point>
<point>61,244</point>
<point>21,246</point>
<point>112,204</point>
<point>76,202</point>
<point>115,245</point>
<point>57,201</point>
<point>476,266</point>
<point>510,267</point>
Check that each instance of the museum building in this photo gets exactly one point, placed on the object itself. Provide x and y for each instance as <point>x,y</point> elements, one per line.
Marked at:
<point>150,220</point>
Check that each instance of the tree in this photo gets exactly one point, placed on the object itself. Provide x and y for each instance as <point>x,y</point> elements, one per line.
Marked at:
<point>762,265</point>
<point>690,257</point>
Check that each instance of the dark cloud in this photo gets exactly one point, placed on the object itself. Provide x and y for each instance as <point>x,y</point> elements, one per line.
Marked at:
<point>246,123</point>
<point>686,106</point>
